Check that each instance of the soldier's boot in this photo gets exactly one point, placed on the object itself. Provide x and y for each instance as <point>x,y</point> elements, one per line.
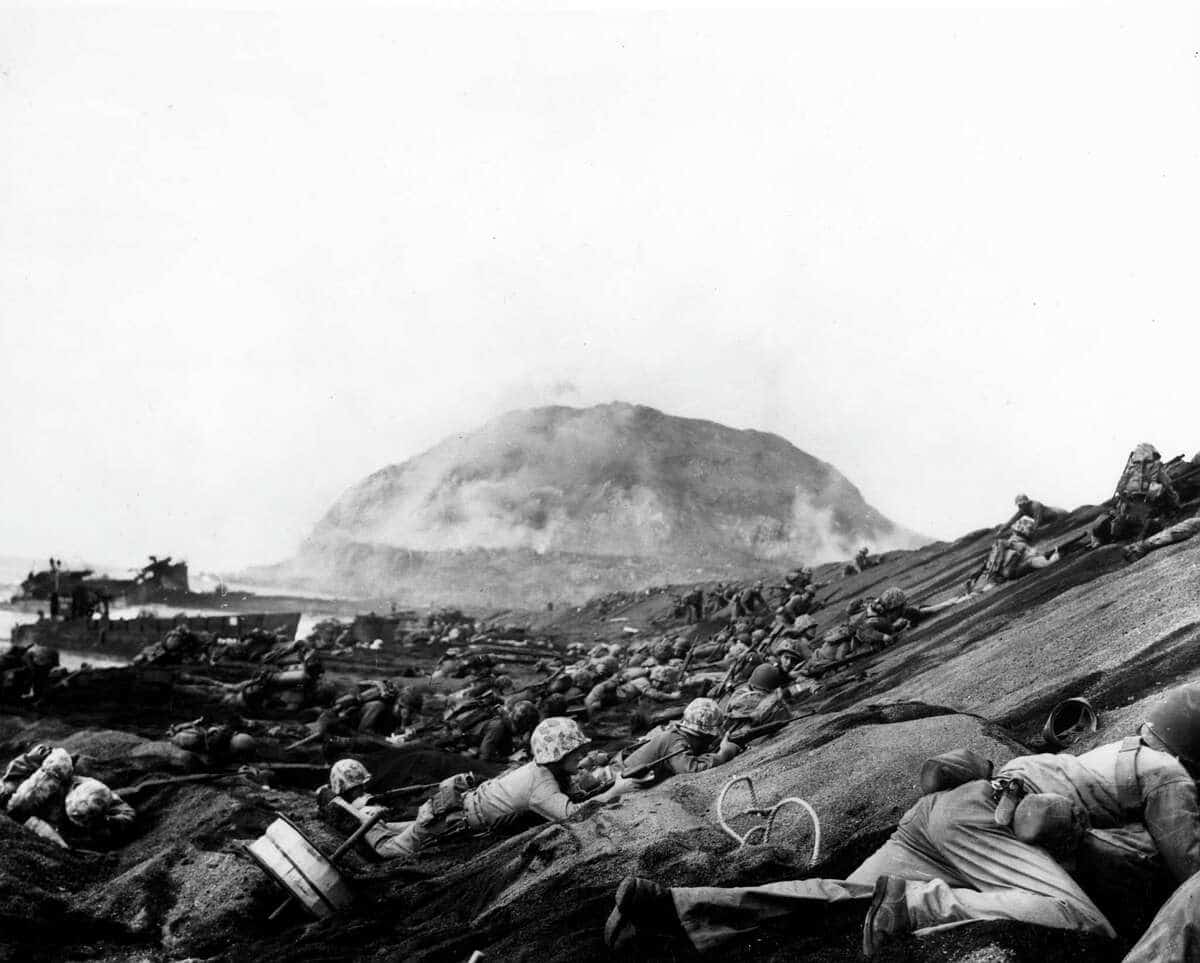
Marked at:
<point>888,916</point>
<point>644,912</point>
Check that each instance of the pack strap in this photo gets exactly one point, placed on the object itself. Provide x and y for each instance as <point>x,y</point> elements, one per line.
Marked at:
<point>1129,794</point>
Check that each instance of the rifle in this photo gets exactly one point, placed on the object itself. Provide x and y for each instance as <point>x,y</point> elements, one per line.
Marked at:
<point>378,799</point>
<point>640,772</point>
<point>306,741</point>
<point>766,729</point>
<point>829,598</point>
<point>1069,543</point>
<point>533,686</point>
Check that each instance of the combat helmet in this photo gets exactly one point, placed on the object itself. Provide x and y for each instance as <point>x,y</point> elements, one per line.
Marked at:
<point>556,738</point>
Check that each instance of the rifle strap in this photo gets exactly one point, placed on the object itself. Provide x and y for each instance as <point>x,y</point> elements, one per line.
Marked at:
<point>1129,796</point>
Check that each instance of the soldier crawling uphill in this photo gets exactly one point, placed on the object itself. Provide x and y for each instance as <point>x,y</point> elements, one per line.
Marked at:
<point>871,627</point>
<point>459,805</point>
<point>694,744</point>
<point>1027,507</point>
<point>1010,558</point>
<point>1144,495</point>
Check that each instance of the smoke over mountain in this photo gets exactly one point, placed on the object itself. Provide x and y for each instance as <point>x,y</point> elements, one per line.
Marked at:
<point>615,481</point>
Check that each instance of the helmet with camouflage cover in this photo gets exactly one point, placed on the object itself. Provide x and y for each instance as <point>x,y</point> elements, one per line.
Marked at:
<point>702,717</point>
<point>555,739</point>
<point>88,801</point>
<point>663,651</point>
<point>681,648</point>
<point>893,598</point>
<point>1024,526</point>
<point>608,665</point>
<point>347,774</point>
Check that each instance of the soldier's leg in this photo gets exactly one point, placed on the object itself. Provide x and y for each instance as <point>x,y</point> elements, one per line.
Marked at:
<point>1102,531</point>
<point>712,915</point>
<point>393,840</point>
<point>1180,532</point>
<point>1174,934</point>
<point>1002,877</point>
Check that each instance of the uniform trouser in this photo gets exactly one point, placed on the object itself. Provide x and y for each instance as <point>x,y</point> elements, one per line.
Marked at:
<point>960,865</point>
<point>1174,934</point>
<point>1179,532</point>
<point>1138,519</point>
<point>394,840</point>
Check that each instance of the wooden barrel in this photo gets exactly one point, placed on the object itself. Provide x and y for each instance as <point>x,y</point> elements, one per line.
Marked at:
<point>285,853</point>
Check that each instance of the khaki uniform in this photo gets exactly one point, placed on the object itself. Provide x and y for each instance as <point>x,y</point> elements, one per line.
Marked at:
<point>663,743</point>
<point>456,807</point>
<point>962,866</point>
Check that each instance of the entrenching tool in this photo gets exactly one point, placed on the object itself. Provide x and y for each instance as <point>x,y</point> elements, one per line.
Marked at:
<point>288,856</point>
<point>771,813</point>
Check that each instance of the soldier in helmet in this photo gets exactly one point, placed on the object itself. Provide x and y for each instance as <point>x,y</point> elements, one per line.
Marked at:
<point>659,684</point>
<point>42,790</point>
<point>757,701</point>
<point>875,625</point>
<point>798,579</point>
<point>1012,557</point>
<point>1144,496</point>
<point>791,653</point>
<point>884,618</point>
<point>693,744</point>
<point>979,849</point>
<point>501,735</point>
<point>749,601</point>
<point>1029,508</point>
<point>862,561</point>
<point>693,605</point>
<point>459,805</point>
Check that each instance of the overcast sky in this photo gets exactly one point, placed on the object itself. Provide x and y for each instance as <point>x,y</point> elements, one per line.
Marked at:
<point>247,258</point>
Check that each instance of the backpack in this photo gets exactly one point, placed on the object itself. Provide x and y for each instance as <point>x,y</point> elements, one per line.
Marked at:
<point>1002,561</point>
<point>1140,479</point>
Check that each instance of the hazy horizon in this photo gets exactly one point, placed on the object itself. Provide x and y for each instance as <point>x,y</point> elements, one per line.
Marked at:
<point>251,257</point>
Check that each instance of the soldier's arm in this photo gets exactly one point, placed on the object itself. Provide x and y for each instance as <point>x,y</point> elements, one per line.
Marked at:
<point>1173,819</point>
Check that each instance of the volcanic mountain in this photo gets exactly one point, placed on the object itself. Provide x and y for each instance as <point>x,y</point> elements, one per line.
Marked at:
<point>562,503</point>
